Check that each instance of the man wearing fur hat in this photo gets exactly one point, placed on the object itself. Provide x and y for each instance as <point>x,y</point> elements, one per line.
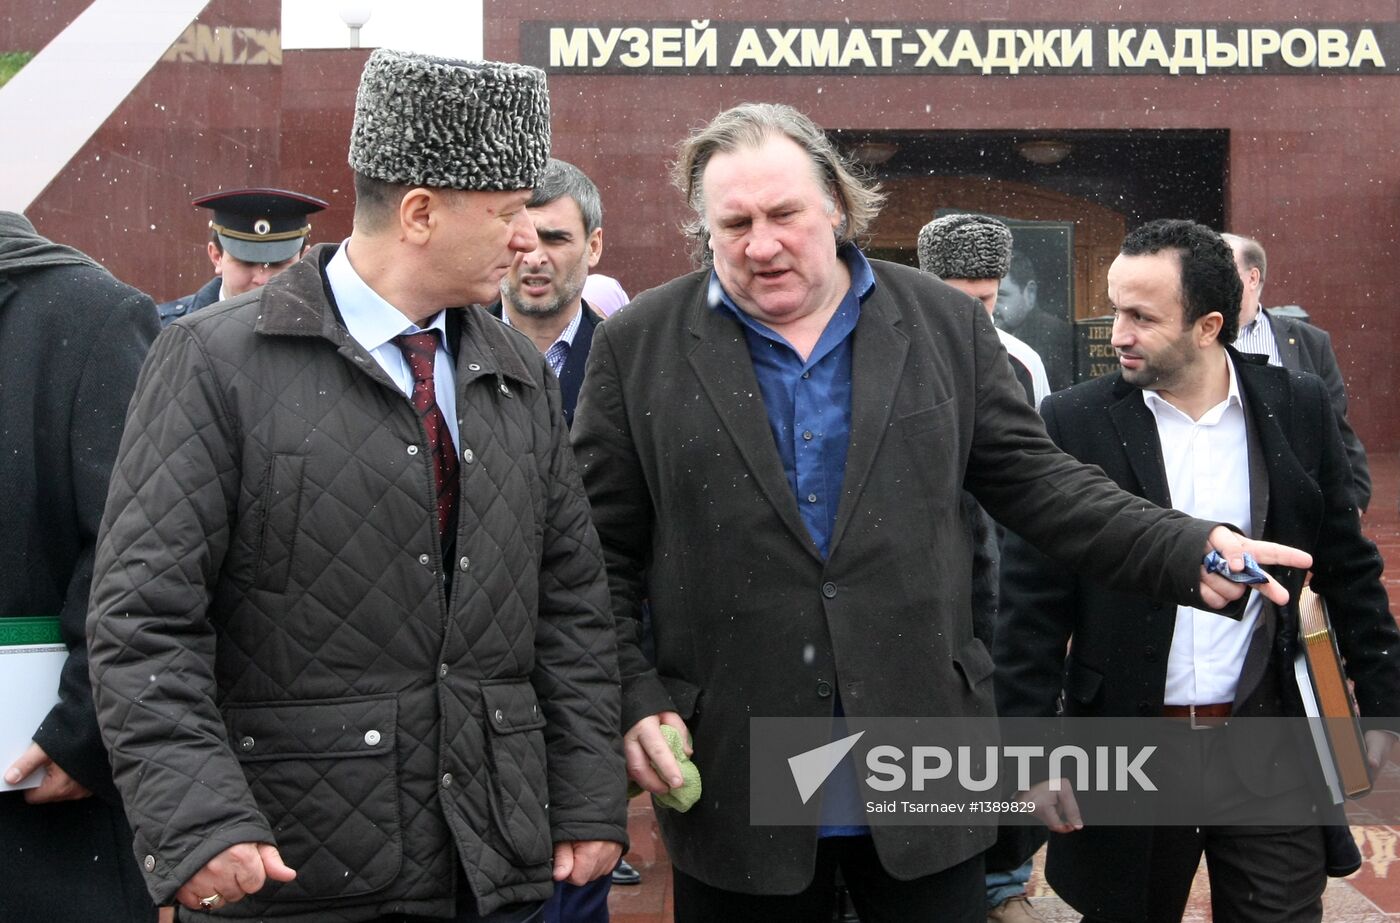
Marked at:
<point>351,646</point>
<point>972,253</point>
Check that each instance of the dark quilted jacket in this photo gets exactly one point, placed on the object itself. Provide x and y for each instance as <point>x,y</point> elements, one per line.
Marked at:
<point>275,657</point>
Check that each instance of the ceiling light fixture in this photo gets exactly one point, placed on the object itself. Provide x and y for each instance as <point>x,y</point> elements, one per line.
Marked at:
<point>874,153</point>
<point>1044,151</point>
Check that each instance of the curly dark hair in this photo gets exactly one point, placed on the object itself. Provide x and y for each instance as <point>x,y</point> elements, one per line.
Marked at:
<point>1209,279</point>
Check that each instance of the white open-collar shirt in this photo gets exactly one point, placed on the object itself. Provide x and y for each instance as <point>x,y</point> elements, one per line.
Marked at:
<point>1207,467</point>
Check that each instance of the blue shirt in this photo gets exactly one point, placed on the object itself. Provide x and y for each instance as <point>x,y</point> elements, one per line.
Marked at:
<point>809,412</point>
<point>809,402</point>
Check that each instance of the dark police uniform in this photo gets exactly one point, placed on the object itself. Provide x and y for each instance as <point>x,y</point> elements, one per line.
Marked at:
<point>254,225</point>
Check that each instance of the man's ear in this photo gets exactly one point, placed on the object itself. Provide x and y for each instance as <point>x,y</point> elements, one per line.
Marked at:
<point>1208,328</point>
<point>1028,292</point>
<point>595,247</point>
<point>416,214</point>
<point>216,256</point>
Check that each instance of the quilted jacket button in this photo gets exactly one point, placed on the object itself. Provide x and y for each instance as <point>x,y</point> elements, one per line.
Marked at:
<point>442,670</point>
<point>246,744</point>
<point>468,456</point>
<point>447,780</point>
<point>424,560</point>
<point>372,737</point>
<point>474,367</point>
<point>149,863</point>
<point>465,563</point>
<point>499,716</point>
<point>413,450</point>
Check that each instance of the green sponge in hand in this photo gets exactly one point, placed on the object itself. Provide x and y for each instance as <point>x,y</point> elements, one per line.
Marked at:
<point>683,797</point>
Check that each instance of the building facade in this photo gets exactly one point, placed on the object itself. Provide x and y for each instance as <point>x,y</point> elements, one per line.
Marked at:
<point>1078,120</point>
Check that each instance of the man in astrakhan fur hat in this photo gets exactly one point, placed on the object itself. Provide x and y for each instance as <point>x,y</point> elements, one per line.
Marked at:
<point>351,646</point>
<point>972,253</point>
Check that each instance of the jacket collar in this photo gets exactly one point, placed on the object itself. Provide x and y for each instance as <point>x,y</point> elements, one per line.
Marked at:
<point>298,302</point>
<point>719,356</point>
<point>1138,432</point>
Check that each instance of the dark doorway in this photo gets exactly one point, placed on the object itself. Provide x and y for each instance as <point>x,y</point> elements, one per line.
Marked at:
<point>1084,188</point>
<point>1140,173</point>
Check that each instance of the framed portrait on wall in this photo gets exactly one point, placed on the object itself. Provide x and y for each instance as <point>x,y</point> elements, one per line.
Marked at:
<point>1036,299</point>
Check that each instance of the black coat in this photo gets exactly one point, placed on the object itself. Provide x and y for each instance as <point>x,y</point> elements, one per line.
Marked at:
<point>73,338</point>
<point>696,514</point>
<point>1306,348</point>
<point>1301,486</point>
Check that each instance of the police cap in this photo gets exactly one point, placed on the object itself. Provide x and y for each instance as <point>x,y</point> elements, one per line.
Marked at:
<point>261,225</point>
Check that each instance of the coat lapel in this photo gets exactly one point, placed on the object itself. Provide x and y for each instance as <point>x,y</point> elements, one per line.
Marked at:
<point>1137,432</point>
<point>1290,353</point>
<point>878,353</point>
<point>720,360</point>
<point>571,375</point>
<point>1256,426</point>
<point>1267,449</point>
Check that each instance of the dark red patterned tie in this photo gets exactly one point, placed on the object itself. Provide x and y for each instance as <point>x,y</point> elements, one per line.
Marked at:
<point>420,349</point>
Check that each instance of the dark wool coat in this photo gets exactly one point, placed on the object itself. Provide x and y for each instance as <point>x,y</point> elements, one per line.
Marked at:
<point>276,656</point>
<point>73,338</point>
<point>696,514</point>
<point>1307,348</point>
<point>1117,666</point>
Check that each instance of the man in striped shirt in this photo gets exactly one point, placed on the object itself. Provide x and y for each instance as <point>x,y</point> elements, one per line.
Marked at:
<point>1294,344</point>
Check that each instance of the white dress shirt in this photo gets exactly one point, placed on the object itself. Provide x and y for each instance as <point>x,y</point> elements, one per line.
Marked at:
<point>1207,466</point>
<point>374,323</point>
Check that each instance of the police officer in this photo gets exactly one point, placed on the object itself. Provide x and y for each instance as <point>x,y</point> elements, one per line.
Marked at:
<point>254,235</point>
